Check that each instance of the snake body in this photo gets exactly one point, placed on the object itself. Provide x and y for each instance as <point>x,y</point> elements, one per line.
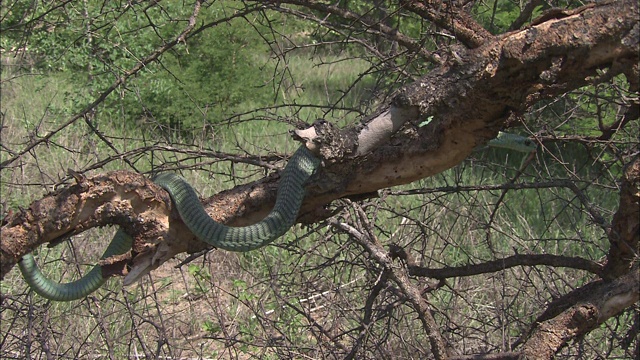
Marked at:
<point>283,215</point>
<point>291,193</point>
<point>74,290</point>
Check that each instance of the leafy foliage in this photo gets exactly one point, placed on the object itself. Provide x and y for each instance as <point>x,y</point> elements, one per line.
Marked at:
<point>217,72</point>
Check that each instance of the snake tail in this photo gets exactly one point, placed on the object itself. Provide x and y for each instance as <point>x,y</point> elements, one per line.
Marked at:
<point>291,193</point>
<point>74,290</point>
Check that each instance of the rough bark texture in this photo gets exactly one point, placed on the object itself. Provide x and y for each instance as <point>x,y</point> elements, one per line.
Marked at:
<point>470,102</point>
<point>590,309</point>
<point>625,231</point>
<point>124,198</point>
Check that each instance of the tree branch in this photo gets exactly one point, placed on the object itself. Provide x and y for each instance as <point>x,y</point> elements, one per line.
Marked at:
<point>187,33</point>
<point>497,265</point>
<point>624,236</point>
<point>370,25</point>
<point>589,307</point>
<point>455,20</point>
<point>400,277</point>
<point>525,14</point>
<point>121,80</point>
<point>121,197</point>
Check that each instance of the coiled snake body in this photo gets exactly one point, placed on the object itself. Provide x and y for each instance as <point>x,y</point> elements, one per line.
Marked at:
<point>283,215</point>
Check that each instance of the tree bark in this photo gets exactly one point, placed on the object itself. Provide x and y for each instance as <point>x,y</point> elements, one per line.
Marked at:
<point>591,308</point>
<point>624,236</point>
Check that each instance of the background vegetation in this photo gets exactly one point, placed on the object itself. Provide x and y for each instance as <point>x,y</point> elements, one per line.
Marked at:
<point>242,79</point>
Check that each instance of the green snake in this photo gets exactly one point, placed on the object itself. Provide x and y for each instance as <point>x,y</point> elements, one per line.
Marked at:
<point>74,290</point>
<point>291,193</point>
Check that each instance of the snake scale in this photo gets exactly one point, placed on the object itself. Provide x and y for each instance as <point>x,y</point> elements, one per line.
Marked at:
<point>291,193</point>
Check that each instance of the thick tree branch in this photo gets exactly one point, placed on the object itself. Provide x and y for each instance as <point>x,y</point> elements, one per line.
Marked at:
<point>588,307</point>
<point>465,105</point>
<point>624,236</point>
<point>122,198</point>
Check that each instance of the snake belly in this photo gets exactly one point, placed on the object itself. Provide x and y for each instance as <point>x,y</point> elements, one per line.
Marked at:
<point>283,215</point>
